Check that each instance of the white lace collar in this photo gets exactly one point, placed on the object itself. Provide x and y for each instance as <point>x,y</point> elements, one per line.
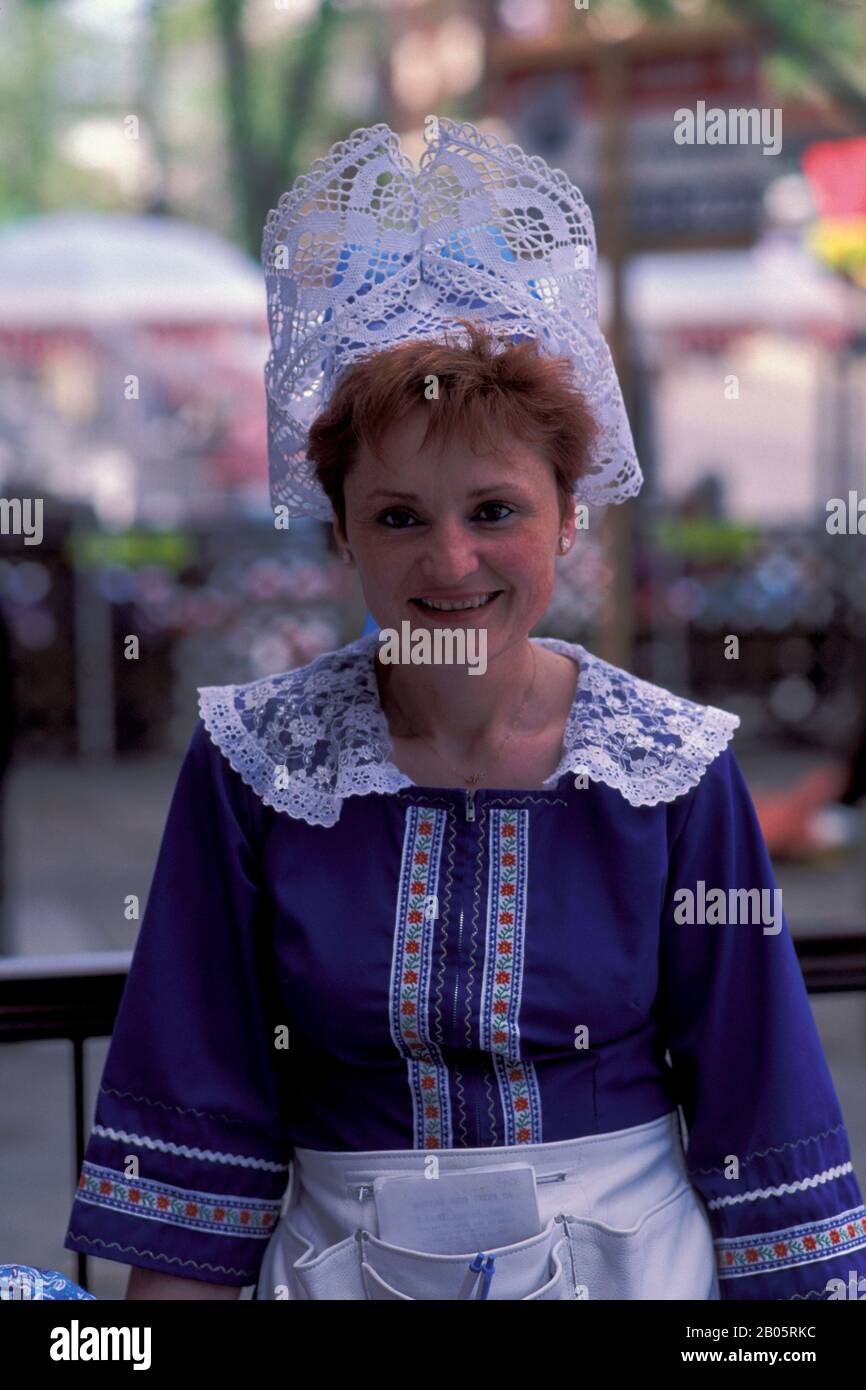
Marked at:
<point>307,738</point>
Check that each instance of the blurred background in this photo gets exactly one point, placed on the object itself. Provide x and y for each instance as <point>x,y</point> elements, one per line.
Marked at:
<point>141,146</point>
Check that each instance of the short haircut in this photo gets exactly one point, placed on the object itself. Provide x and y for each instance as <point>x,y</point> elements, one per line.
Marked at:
<point>488,389</point>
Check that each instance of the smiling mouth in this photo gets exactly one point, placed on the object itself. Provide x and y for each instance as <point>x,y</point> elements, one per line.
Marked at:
<point>452,606</point>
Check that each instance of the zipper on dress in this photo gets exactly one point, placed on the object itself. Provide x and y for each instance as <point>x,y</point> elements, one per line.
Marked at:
<point>457,970</point>
<point>361,1189</point>
<point>470,805</point>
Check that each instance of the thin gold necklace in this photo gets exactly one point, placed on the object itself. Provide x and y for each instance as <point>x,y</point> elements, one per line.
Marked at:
<point>474,778</point>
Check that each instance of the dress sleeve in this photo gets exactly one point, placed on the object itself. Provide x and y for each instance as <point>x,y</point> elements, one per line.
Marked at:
<point>767,1146</point>
<point>187,1160</point>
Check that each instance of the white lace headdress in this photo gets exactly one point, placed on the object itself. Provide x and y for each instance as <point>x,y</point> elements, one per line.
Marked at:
<point>363,252</point>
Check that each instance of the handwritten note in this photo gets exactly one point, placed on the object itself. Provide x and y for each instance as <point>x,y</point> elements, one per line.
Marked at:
<point>459,1212</point>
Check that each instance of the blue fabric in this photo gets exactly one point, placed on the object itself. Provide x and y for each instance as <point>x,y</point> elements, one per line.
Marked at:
<point>27,1282</point>
<point>451,982</point>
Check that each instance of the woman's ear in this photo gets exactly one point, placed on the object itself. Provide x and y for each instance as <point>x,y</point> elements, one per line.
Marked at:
<point>341,540</point>
<point>567,527</point>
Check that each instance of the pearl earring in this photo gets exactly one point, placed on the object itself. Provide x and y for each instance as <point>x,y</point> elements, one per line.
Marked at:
<point>347,557</point>
<point>564,543</point>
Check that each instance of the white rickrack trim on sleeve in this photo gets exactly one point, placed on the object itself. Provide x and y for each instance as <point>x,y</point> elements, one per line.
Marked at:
<point>784,1189</point>
<point>144,1141</point>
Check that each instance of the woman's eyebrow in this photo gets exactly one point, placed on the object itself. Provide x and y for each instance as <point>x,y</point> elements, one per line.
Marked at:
<point>411,497</point>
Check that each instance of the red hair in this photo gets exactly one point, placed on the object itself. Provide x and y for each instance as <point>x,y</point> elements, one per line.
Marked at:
<point>485,393</point>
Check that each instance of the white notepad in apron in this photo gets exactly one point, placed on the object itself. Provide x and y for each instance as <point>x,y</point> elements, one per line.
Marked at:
<point>458,1212</point>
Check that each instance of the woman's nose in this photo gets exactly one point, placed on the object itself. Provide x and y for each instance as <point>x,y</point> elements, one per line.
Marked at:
<point>451,553</point>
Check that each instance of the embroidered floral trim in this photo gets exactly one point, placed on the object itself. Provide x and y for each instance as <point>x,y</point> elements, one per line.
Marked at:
<point>411,972</point>
<point>206,1212</point>
<point>502,981</point>
<point>796,1245</point>
<point>784,1188</point>
<point>304,740</point>
<point>143,1141</point>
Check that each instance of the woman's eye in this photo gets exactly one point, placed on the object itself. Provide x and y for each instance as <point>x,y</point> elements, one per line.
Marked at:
<point>401,519</point>
<point>493,506</point>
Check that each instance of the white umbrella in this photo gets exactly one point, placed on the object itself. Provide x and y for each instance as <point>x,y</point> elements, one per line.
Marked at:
<point>775,285</point>
<point>87,268</point>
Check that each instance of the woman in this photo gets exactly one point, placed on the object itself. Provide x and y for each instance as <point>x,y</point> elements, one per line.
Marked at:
<point>436,956</point>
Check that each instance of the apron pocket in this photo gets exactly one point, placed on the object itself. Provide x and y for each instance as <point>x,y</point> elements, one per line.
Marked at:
<point>558,1286</point>
<point>535,1268</point>
<point>278,1276</point>
<point>377,1289</point>
<point>668,1254</point>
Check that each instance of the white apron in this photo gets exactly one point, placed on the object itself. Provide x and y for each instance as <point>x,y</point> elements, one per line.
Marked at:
<point>619,1220</point>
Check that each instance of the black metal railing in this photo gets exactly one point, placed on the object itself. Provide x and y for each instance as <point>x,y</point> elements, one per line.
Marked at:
<point>77,997</point>
<point>69,997</point>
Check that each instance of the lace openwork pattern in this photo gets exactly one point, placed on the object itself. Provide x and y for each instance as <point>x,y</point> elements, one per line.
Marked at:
<point>305,739</point>
<point>363,253</point>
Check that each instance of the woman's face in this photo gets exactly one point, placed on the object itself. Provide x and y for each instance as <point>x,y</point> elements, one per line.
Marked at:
<point>428,523</point>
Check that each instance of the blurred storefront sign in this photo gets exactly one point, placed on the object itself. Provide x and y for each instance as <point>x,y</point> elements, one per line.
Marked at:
<point>558,104</point>
<point>131,549</point>
<point>558,99</point>
<point>706,538</point>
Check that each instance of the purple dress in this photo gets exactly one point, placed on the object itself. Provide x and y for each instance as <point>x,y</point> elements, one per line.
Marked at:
<point>336,958</point>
